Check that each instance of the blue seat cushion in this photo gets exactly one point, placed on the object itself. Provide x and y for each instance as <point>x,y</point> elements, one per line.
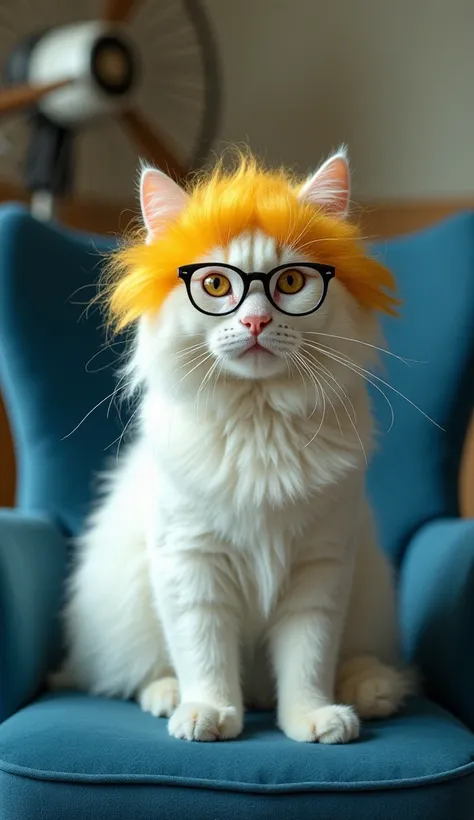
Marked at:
<point>75,756</point>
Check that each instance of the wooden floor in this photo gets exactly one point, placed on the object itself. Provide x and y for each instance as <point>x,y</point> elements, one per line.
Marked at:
<point>377,220</point>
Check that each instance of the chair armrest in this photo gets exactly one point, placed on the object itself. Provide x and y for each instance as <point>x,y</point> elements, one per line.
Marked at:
<point>437,612</point>
<point>33,565</point>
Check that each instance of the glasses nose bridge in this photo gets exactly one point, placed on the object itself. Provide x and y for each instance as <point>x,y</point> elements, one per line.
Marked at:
<point>256,283</point>
<point>256,288</point>
<point>255,297</point>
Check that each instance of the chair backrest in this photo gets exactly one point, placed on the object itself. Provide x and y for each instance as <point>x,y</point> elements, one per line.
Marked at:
<point>414,477</point>
<point>55,368</point>
<point>47,337</point>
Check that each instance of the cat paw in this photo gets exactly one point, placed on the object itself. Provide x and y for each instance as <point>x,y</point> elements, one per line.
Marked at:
<point>374,689</point>
<point>199,721</point>
<point>328,724</point>
<point>160,697</point>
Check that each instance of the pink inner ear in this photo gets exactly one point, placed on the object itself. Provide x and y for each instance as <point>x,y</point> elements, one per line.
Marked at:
<point>330,186</point>
<point>161,200</point>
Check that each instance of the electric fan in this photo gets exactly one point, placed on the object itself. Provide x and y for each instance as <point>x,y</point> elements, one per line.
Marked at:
<point>144,72</point>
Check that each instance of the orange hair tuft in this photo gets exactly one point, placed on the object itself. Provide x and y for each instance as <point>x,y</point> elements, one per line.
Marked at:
<point>223,205</point>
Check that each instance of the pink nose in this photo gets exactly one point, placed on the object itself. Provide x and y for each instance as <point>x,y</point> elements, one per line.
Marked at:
<point>256,323</point>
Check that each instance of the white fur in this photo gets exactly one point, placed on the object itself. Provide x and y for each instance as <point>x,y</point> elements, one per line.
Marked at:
<point>234,547</point>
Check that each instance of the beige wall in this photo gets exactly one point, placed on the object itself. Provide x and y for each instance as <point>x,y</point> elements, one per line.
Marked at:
<point>393,79</point>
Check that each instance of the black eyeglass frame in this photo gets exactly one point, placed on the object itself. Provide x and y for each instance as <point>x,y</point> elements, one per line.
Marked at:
<point>327,272</point>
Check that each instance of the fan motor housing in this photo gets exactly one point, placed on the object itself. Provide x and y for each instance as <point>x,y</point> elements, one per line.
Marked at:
<point>102,67</point>
<point>101,64</point>
<point>113,65</point>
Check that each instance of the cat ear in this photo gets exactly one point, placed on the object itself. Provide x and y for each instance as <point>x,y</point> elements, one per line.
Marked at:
<point>161,200</point>
<point>330,186</point>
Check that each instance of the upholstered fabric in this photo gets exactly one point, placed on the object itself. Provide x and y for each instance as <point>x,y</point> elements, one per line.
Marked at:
<point>76,756</point>
<point>419,765</point>
<point>48,376</point>
<point>414,476</point>
<point>33,568</point>
<point>437,611</point>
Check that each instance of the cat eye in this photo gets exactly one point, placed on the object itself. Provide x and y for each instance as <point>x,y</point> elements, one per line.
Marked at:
<point>290,281</point>
<point>218,289</point>
<point>216,285</point>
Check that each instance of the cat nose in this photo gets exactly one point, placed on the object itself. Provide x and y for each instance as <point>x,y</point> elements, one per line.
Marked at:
<point>256,323</point>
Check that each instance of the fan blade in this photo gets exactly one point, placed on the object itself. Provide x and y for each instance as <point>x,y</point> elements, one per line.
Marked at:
<point>118,11</point>
<point>151,144</point>
<point>23,96</point>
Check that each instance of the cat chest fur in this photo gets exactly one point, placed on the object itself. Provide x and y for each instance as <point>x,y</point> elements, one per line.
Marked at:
<point>251,457</point>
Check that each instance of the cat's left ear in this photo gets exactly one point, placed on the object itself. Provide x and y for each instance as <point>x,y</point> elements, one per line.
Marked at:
<point>330,186</point>
<point>161,200</point>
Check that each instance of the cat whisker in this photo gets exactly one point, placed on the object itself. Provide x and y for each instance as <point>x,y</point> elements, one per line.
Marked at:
<point>300,371</point>
<point>118,389</point>
<point>311,364</point>
<point>313,242</point>
<point>125,430</point>
<point>323,416</point>
<point>93,285</point>
<point>351,420</point>
<point>361,371</point>
<point>407,362</point>
<point>364,453</point>
<point>306,367</point>
<point>186,364</point>
<point>294,244</point>
<point>103,349</point>
<point>327,372</point>
<point>96,406</point>
<point>188,350</point>
<point>204,380</point>
<point>203,360</point>
<point>215,373</point>
<point>300,362</point>
<point>120,437</point>
<point>351,365</point>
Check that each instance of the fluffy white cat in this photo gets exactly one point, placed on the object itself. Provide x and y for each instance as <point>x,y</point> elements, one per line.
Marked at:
<point>232,560</point>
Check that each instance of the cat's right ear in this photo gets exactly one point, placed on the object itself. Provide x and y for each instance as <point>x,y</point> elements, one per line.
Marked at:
<point>161,200</point>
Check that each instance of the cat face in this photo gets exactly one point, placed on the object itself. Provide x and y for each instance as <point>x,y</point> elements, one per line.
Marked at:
<point>257,340</point>
<point>181,347</point>
<point>264,329</point>
<point>244,277</point>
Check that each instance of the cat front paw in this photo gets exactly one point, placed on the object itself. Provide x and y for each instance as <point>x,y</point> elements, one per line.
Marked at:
<point>200,721</point>
<point>328,724</point>
<point>160,697</point>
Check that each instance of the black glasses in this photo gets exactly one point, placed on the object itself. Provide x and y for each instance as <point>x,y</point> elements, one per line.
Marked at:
<point>296,289</point>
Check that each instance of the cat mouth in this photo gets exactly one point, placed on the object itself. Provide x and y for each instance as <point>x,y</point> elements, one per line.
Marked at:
<point>254,350</point>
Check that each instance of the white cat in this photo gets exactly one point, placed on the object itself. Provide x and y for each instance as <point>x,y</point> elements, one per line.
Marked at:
<point>232,559</point>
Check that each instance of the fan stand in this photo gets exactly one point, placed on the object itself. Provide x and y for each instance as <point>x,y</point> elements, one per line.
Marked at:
<point>49,165</point>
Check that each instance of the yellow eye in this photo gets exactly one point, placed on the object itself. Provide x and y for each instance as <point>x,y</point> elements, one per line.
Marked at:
<point>290,281</point>
<point>217,285</point>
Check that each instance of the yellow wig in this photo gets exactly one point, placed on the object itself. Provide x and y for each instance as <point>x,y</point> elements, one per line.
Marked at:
<point>223,205</point>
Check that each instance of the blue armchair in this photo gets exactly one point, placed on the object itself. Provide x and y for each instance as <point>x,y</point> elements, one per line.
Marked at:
<point>69,755</point>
